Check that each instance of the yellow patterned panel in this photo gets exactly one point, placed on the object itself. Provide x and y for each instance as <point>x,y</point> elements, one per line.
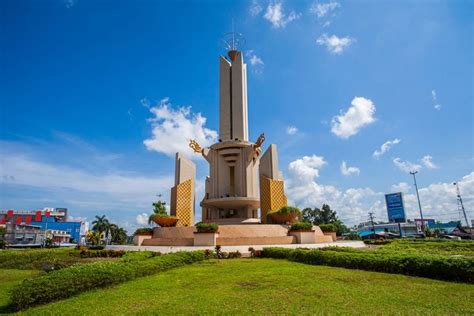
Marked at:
<point>185,203</point>
<point>272,196</point>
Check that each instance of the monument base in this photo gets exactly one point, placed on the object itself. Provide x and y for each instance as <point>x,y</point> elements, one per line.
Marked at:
<point>234,235</point>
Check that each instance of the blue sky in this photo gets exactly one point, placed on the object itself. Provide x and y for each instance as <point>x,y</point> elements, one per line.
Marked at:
<point>84,84</point>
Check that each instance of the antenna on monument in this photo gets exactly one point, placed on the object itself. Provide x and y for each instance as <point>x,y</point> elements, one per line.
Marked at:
<point>233,41</point>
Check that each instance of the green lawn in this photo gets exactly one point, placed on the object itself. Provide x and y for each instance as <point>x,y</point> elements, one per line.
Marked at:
<point>8,279</point>
<point>266,286</point>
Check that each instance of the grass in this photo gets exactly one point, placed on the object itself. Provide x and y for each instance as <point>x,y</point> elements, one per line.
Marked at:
<point>10,278</point>
<point>267,286</point>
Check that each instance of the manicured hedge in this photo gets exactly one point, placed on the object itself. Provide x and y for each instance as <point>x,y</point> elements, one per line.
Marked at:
<point>301,226</point>
<point>35,258</point>
<point>71,281</point>
<point>207,227</point>
<point>435,267</point>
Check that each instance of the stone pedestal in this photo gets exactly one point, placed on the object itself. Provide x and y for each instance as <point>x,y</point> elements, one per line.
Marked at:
<point>331,234</point>
<point>205,239</point>
<point>138,239</point>
<point>303,237</point>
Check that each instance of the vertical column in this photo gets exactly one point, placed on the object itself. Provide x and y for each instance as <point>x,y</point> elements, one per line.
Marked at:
<point>239,99</point>
<point>225,108</point>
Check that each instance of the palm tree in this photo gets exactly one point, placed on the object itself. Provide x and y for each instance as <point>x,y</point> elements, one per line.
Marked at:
<point>101,225</point>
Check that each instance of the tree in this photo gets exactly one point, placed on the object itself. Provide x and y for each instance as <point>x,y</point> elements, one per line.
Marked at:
<point>159,209</point>
<point>101,225</point>
<point>94,237</point>
<point>118,234</point>
<point>325,215</point>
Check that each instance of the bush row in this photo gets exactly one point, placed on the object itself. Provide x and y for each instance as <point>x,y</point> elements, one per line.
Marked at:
<point>67,282</point>
<point>436,267</point>
<point>35,258</point>
<point>85,253</point>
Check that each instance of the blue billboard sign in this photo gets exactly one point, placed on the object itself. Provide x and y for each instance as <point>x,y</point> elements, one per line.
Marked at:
<point>395,209</point>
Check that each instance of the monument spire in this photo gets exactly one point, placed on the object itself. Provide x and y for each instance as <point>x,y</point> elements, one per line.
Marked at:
<point>233,115</point>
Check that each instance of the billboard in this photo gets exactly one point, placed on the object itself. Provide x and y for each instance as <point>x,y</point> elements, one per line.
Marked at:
<point>395,209</point>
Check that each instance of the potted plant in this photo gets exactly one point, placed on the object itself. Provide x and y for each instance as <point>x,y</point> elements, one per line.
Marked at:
<point>329,230</point>
<point>206,234</point>
<point>303,231</point>
<point>285,215</point>
<point>160,217</point>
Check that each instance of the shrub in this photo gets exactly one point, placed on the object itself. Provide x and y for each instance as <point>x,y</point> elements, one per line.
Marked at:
<point>86,253</point>
<point>304,226</point>
<point>436,267</point>
<point>35,258</point>
<point>143,231</point>
<point>286,214</point>
<point>207,228</point>
<point>286,210</point>
<point>327,228</point>
<point>79,278</point>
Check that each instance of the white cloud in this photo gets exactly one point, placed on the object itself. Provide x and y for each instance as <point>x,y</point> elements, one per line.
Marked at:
<point>385,147</point>
<point>360,113</point>
<point>255,61</point>
<point>348,171</point>
<point>277,17</point>
<point>307,167</point>
<point>321,9</point>
<point>142,219</point>
<point>406,166</point>
<point>428,162</point>
<point>69,3</point>
<point>352,205</point>
<point>335,44</point>
<point>172,129</point>
<point>291,130</point>
<point>400,187</point>
<point>436,104</point>
<point>255,8</point>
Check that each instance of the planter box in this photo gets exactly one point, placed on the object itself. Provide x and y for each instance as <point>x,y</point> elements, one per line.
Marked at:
<point>332,234</point>
<point>166,221</point>
<point>138,239</point>
<point>205,239</point>
<point>303,236</point>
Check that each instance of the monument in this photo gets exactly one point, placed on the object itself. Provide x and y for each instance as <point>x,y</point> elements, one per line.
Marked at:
<point>240,183</point>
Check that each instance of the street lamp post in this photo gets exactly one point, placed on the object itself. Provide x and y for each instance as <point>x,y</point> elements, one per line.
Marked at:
<point>419,203</point>
<point>460,201</point>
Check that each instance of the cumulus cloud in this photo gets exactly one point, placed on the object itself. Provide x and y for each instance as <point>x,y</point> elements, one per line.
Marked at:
<point>360,114</point>
<point>291,130</point>
<point>322,9</point>
<point>385,147</point>
<point>276,16</point>
<point>436,104</point>
<point>400,187</point>
<point>406,166</point>
<point>428,162</point>
<point>255,8</point>
<point>307,167</point>
<point>335,44</point>
<point>352,205</point>
<point>173,128</point>
<point>349,171</point>
<point>142,219</point>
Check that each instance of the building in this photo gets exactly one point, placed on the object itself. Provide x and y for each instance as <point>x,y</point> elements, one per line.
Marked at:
<point>48,219</point>
<point>408,229</point>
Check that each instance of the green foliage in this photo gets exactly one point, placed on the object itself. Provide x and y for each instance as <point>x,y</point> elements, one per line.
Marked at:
<point>118,234</point>
<point>327,228</point>
<point>94,237</point>
<point>207,228</point>
<point>325,215</point>
<point>35,258</point>
<point>86,253</point>
<point>159,209</point>
<point>3,231</point>
<point>131,256</point>
<point>286,210</point>
<point>101,224</point>
<point>430,266</point>
<point>301,226</point>
<point>143,231</point>
<point>80,278</point>
<point>352,236</point>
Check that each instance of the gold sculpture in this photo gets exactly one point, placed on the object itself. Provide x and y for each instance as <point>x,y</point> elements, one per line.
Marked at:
<point>259,141</point>
<point>195,146</point>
